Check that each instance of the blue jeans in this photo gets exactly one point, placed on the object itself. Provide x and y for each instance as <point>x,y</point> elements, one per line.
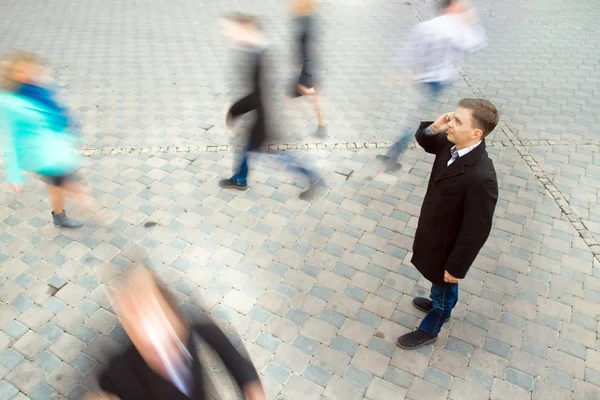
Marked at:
<point>430,91</point>
<point>443,301</point>
<point>241,177</point>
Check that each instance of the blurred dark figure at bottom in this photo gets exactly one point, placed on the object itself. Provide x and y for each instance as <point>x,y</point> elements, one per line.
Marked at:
<point>161,362</point>
<point>245,34</point>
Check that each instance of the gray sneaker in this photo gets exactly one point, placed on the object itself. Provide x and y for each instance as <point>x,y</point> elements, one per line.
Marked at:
<point>61,220</point>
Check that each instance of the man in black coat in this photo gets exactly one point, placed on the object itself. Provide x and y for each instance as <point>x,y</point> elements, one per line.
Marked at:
<point>457,211</point>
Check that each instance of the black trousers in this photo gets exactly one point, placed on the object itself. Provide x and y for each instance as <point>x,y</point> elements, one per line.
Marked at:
<point>258,131</point>
<point>304,42</point>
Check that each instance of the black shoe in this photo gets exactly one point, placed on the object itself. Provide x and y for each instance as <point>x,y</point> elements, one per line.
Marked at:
<point>415,339</point>
<point>231,184</point>
<point>423,304</point>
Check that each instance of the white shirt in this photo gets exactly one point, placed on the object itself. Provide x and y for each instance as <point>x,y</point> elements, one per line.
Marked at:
<point>435,48</point>
<point>459,153</point>
<point>453,151</point>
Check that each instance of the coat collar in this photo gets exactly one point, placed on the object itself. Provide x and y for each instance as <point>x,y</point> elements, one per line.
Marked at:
<point>458,166</point>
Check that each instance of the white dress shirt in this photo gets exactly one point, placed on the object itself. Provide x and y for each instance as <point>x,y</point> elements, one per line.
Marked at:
<point>453,151</point>
<point>434,49</point>
<point>459,153</point>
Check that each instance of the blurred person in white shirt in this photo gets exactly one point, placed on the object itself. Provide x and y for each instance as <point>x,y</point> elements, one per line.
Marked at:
<point>431,58</point>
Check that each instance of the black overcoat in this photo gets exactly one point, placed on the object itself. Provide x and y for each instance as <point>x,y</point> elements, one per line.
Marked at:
<point>457,211</point>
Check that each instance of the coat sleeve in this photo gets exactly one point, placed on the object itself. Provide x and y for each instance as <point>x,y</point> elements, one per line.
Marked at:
<point>8,135</point>
<point>431,143</point>
<point>120,377</point>
<point>476,225</point>
<point>241,368</point>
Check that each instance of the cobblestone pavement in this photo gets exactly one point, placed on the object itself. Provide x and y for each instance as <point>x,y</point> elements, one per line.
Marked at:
<point>318,292</point>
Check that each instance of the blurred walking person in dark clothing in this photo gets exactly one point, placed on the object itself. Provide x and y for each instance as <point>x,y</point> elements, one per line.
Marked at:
<point>162,362</point>
<point>305,20</point>
<point>431,59</point>
<point>245,33</point>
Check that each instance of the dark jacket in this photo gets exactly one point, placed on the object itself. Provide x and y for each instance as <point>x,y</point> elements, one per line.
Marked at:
<point>130,378</point>
<point>457,211</point>
<point>254,101</point>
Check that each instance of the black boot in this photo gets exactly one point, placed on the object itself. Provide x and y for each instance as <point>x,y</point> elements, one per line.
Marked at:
<point>415,339</point>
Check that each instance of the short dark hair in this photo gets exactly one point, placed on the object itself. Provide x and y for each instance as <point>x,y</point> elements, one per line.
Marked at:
<point>443,4</point>
<point>485,114</point>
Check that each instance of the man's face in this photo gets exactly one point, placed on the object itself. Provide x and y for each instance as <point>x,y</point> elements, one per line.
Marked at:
<point>461,131</point>
<point>142,311</point>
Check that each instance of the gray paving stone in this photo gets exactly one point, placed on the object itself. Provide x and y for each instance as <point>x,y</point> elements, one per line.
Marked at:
<point>15,329</point>
<point>307,345</point>
<point>545,390</point>
<point>317,375</point>
<point>438,377</point>
<point>505,390</point>
<point>520,379</point>
<point>423,389</point>
<point>268,342</point>
<point>47,361</point>
<point>7,390</point>
<point>559,378</point>
<point>459,347</point>
<point>64,379</point>
<point>496,347</point>
<point>277,373</point>
<point>25,376</point>
<point>344,345</point>
<point>358,376</point>
<point>331,360</point>
<point>30,345</point>
<point>41,392</point>
<point>339,389</point>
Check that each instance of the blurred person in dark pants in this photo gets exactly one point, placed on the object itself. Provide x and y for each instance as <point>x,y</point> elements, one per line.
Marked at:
<point>161,362</point>
<point>244,32</point>
<point>431,59</point>
<point>304,13</point>
<point>457,211</point>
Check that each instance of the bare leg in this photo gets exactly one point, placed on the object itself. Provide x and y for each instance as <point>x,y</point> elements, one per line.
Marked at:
<point>57,195</point>
<point>57,199</point>
<point>316,100</point>
<point>322,128</point>
<point>79,193</point>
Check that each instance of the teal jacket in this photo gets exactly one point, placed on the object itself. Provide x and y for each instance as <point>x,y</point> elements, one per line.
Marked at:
<point>33,140</point>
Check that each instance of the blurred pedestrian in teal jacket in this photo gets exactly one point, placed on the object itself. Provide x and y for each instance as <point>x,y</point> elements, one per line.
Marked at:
<point>38,135</point>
